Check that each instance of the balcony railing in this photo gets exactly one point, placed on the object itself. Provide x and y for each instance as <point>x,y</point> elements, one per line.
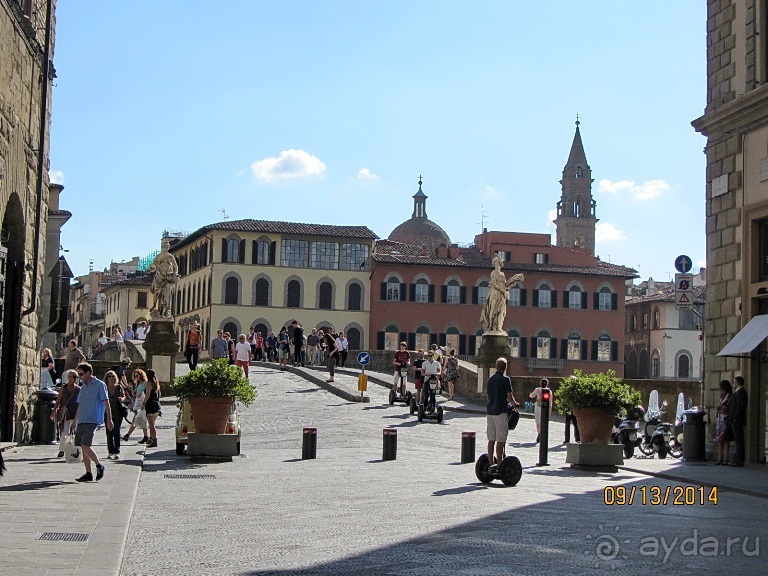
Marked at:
<point>545,364</point>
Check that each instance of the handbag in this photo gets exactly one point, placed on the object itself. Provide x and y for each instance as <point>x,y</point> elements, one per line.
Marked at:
<point>513,417</point>
<point>72,453</point>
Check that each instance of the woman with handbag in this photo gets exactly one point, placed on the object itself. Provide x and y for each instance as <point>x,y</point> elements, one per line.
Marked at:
<point>140,420</point>
<point>152,405</point>
<point>116,395</point>
<point>65,408</point>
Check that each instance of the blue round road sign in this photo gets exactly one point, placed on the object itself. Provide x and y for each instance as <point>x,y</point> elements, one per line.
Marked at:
<point>363,358</point>
<point>683,264</point>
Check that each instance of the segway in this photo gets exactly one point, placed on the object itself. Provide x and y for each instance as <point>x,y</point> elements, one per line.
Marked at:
<point>402,395</point>
<point>428,408</point>
<point>509,471</point>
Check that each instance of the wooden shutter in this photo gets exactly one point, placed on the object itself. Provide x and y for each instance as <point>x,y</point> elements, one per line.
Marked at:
<point>403,295</point>
<point>535,298</point>
<point>223,249</point>
<point>523,297</point>
<point>379,340</point>
<point>566,299</point>
<point>412,292</point>
<point>254,252</point>
<point>431,293</point>
<point>553,299</point>
<point>441,338</point>
<point>614,301</point>
<point>432,339</point>
<point>443,294</point>
<point>594,349</point>
<point>472,343</point>
<point>462,295</point>
<point>584,300</point>
<point>614,351</point>
<point>272,253</point>
<point>411,340</point>
<point>242,252</point>
<point>383,290</point>
<point>523,347</point>
<point>596,302</point>
<point>564,349</point>
<point>584,346</point>
<point>462,344</point>
<point>533,347</point>
<point>403,338</point>
<point>553,347</point>
<point>474,295</point>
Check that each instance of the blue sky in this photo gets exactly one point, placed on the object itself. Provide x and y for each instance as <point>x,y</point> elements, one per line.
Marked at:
<point>167,113</point>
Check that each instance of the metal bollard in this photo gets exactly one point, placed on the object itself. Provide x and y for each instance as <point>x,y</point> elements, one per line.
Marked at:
<point>390,444</point>
<point>309,444</point>
<point>467,447</point>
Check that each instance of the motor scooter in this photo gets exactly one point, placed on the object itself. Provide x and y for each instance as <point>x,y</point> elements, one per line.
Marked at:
<point>676,443</point>
<point>626,430</point>
<point>656,435</point>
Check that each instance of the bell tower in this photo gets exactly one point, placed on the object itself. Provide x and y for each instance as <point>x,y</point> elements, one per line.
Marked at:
<point>576,220</point>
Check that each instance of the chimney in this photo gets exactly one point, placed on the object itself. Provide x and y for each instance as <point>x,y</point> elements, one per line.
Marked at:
<point>53,196</point>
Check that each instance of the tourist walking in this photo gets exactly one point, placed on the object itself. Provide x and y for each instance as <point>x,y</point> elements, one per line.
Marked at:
<point>343,345</point>
<point>451,372</point>
<point>152,406</point>
<point>739,419</point>
<point>116,396</point>
<point>74,356</point>
<point>723,430</point>
<point>140,415</point>
<point>47,370</point>
<point>219,346</point>
<point>192,345</point>
<point>332,352</point>
<point>243,354</point>
<point>536,394</point>
<point>65,408</point>
<point>93,410</point>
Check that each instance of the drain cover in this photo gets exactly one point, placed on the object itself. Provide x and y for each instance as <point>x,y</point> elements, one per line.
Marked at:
<point>63,537</point>
<point>189,476</point>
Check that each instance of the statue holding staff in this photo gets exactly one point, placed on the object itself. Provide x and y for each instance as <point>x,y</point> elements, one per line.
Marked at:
<point>495,308</point>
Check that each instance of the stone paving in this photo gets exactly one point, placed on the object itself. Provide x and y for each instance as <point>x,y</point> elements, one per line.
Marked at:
<point>348,512</point>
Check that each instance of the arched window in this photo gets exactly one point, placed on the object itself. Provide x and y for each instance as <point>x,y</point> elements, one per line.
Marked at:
<point>326,296</point>
<point>231,327</point>
<point>543,345</point>
<point>353,336</point>
<point>261,329</point>
<point>263,252</point>
<point>574,347</point>
<point>422,338</point>
<point>203,299</point>
<point>632,365</point>
<point>453,292</point>
<point>482,292</point>
<point>634,322</point>
<point>574,297</point>
<point>261,293</point>
<point>643,368</point>
<point>355,299</point>
<point>231,289</point>
<point>393,289</point>
<point>605,296</point>
<point>422,291</point>
<point>683,366</point>
<point>391,338</point>
<point>452,339</point>
<point>293,299</point>
<point>233,250</point>
<point>545,296</point>
<point>655,365</point>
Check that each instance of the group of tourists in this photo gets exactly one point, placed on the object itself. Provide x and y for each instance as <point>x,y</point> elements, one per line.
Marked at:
<point>445,366</point>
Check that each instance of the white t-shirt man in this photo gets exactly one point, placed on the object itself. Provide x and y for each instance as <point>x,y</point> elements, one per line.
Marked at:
<point>243,351</point>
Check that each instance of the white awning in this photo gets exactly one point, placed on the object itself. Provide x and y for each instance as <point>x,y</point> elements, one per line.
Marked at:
<point>748,337</point>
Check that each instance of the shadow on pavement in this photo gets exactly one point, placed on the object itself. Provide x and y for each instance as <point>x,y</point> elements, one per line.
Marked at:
<point>42,485</point>
<point>465,489</point>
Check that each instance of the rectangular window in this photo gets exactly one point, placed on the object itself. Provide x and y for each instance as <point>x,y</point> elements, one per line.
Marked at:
<point>422,293</point>
<point>574,349</point>
<point>655,366</point>
<point>263,252</point>
<point>645,320</point>
<point>422,341</point>
<point>294,253</point>
<point>574,299</point>
<point>354,257</point>
<point>545,299</point>
<point>391,341</point>
<point>603,350</point>
<point>542,258</point>
<point>325,255</point>
<point>482,294</point>
<point>514,346</point>
<point>453,294</point>
<point>605,301</point>
<point>514,296</point>
<point>504,255</point>
<point>542,348</point>
<point>393,292</point>
<point>141,300</point>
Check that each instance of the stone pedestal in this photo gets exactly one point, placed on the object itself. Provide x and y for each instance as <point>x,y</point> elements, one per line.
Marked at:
<point>213,445</point>
<point>494,346</point>
<point>595,456</point>
<point>161,347</point>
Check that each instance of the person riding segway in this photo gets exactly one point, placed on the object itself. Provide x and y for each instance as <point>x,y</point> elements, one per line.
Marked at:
<point>506,468</point>
<point>402,363</point>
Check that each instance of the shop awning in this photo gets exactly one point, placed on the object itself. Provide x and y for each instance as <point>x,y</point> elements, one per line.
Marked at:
<point>748,337</point>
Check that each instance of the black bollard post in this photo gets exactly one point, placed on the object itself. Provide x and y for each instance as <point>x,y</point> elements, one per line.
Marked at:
<point>546,399</point>
<point>467,447</point>
<point>309,444</point>
<point>390,444</point>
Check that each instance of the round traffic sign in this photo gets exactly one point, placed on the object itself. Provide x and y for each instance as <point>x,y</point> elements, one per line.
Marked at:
<point>363,358</point>
<point>683,264</point>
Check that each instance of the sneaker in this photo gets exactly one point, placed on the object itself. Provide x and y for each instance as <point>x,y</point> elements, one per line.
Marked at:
<point>144,440</point>
<point>87,477</point>
<point>100,471</point>
<point>125,438</point>
<point>60,455</point>
<point>152,443</point>
<point>116,457</point>
<point>109,457</point>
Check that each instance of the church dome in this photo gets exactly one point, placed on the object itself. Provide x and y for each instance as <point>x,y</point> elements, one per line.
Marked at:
<point>420,230</point>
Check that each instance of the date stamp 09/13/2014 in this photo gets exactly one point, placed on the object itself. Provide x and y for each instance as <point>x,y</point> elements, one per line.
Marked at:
<point>660,495</point>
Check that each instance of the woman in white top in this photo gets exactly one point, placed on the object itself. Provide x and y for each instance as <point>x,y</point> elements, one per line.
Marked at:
<point>243,354</point>
<point>536,394</point>
<point>343,345</point>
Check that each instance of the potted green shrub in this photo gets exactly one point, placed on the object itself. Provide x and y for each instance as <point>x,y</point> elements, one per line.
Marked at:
<point>211,390</point>
<point>595,399</point>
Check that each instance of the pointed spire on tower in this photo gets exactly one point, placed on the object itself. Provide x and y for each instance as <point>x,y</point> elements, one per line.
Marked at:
<point>577,155</point>
<point>419,203</point>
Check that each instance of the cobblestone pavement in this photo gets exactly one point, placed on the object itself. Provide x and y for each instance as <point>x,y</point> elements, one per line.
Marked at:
<point>348,512</point>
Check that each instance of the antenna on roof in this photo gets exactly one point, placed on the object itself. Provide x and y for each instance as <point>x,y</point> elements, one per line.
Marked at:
<point>482,218</point>
<point>224,214</point>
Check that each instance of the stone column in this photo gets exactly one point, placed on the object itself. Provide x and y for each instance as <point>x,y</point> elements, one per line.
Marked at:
<point>161,347</point>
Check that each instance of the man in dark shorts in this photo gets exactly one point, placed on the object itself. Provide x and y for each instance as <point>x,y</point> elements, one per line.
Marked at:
<point>499,398</point>
<point>92,404</point>
<point>402,358</point>
<point>418,375</point>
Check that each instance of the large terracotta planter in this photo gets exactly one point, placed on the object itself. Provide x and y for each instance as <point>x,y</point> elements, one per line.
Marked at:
<point>595,424</point>
<point>210,413</point>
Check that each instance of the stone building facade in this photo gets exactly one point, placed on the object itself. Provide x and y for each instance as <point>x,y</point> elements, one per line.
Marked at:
<point>735,123</point>
<point>26,52</point>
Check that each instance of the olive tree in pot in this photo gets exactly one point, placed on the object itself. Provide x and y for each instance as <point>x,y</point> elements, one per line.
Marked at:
<point>595,399</point>
<point>211,390</point>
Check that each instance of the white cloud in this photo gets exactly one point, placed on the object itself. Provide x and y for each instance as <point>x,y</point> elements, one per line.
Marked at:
<point>701,263</point>
<point>608,233</point>
<point>289,165</point>
<point>56,177</point>
<point>551,216</point>
<point>490,194</point>
<point>646,191</point>
<point>365,174</point>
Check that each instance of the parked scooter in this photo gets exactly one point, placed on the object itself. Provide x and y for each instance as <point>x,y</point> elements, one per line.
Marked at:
<point>676,443</point>
<point>626,430</point>
<point>656,435</point>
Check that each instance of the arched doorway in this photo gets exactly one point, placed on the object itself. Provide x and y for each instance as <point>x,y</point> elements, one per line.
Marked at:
<point>12,240</point>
